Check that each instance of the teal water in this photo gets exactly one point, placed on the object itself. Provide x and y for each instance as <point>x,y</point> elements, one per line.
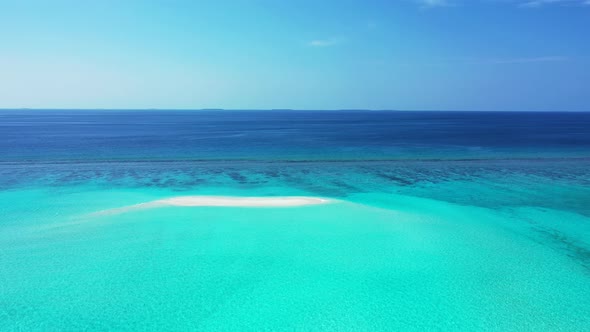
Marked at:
<point>451,245</point>
<point>463,252</point>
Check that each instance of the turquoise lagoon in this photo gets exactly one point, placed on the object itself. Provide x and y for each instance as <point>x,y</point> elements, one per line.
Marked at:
<point>411,241</point>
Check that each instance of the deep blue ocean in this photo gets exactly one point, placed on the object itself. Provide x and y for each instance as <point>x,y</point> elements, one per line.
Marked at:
<point>52,135</point>
<point>453,221</point>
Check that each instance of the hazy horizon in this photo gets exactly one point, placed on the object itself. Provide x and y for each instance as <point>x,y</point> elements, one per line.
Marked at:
<point>282,109</point>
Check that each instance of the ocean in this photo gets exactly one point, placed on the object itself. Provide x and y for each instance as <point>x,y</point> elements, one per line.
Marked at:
<point>452,221</point>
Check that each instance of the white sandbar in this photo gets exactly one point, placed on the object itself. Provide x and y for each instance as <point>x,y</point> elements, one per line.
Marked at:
<point>228,201</point>
<point>242,201</point>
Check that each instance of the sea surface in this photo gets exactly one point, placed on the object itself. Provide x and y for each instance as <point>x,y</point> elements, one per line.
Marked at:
<point>440,221</point>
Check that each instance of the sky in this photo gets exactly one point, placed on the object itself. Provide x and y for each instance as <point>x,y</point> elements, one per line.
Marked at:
<point>487,55</point>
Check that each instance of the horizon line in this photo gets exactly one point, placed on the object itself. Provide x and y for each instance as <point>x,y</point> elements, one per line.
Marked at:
<point>282,110</point>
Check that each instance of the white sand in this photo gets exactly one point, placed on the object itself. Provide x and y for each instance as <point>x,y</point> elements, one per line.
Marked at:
<point>284,201</point>
<point>228,201</point>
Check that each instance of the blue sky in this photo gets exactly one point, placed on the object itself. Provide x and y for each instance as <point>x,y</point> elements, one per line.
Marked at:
<point>501,55</point>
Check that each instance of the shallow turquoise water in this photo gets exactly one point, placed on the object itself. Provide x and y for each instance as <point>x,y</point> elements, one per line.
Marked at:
<point>420,246</point>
